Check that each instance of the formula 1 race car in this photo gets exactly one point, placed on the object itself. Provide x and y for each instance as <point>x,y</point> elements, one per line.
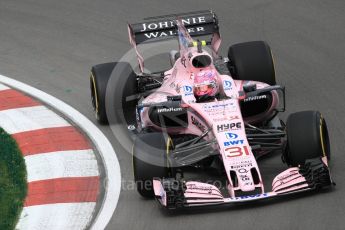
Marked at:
<point>209,113</point>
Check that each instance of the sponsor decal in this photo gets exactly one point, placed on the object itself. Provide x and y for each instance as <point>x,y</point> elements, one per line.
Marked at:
<point>167,110</point>
<point>236,142</point>
<point>249,197</point>
<point>197,187</point>
<point>230,118</point>
<point>188,90</point>
<point>227,85</point>
<point>225,118</point>
<point>158,34</point>
<point>219,105</point>
<point>242,170</point>
<point>245,178</point>
<point>195,30</point>
<point>212,108</point>
<point>229,126</point>
<point>245,165</point>
<point>283,177</point>
<point>219,119</point>
<point>195,25</point>
<point>255,98</point>
<point>198,124</point>
<point>231,135</point>
<point>237,151</point>
<point>171,24</point>
<point>248,183</point>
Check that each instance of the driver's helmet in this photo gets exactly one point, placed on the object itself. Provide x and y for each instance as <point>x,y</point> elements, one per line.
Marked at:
<point>205,85</point>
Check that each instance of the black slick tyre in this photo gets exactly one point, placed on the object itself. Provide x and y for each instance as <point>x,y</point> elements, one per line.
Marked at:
<point>150,161</point>
<point>307,137</point>
<point>99,78</point>
<point>252,61</point>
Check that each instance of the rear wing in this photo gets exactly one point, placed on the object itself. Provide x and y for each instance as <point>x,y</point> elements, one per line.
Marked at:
<point>198,23</point>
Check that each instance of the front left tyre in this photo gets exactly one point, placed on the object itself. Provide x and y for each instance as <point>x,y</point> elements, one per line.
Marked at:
<point>307,137</point>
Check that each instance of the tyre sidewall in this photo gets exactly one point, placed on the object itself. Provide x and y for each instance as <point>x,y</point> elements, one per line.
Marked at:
<point>149,161</point>
<point>304,138</point>
<point>252,61</point>
<point>98,83</point>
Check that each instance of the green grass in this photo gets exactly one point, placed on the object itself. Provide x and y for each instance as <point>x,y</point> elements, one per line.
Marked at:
<point>13,187</point>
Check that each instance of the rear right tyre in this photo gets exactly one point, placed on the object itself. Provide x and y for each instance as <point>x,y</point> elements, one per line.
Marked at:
<point>99,78</point>
<point>252,61</point>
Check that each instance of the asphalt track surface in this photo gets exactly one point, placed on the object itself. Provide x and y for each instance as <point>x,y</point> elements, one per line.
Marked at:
<point>52,44</point>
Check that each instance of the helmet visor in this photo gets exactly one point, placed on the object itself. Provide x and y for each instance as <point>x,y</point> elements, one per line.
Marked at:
<point>203,89</point>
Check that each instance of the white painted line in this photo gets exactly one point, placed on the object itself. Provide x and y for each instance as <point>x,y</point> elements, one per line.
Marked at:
<point>107,153</point>
<point>76,163</point>
<point>3,87</point>
<point>56,216</point>
<point>29,119</point>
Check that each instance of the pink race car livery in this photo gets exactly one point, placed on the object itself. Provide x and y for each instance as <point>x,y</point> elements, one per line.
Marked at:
<point>212,117</point>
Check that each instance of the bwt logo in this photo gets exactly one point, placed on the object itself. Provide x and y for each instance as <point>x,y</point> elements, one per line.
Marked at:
<point>187,89</point>
<point>227,84</point>
<point>230,143</point>
<point>231,136</point>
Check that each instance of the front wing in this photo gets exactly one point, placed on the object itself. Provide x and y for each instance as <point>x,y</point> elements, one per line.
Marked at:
<point>172,193</point>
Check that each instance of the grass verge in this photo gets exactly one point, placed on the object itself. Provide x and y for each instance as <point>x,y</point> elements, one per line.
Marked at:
<point>13,187</point>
